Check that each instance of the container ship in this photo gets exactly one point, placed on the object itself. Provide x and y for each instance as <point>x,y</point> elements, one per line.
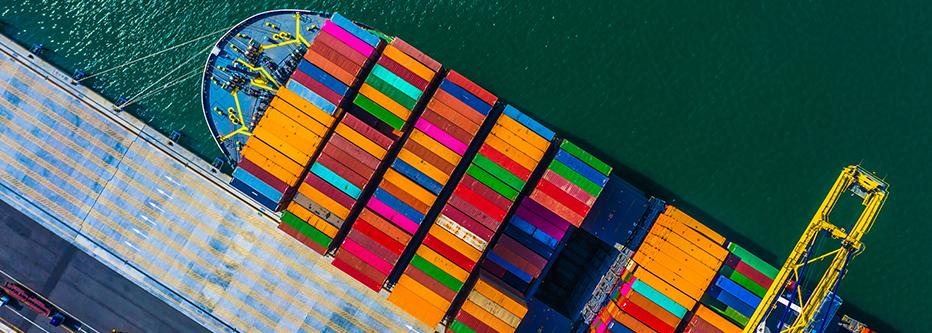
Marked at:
<point>457,207</point>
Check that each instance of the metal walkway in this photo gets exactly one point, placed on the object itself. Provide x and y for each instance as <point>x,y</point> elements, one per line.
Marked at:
<point>156,214</point>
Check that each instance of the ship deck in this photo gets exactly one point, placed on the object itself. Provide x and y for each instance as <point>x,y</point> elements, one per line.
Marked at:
<point>158,215</point>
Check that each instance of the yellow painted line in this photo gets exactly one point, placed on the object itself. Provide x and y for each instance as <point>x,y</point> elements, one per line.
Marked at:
<point>262,70</point>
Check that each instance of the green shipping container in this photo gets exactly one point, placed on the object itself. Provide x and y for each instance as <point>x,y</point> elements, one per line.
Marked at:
<point>575,178</point>
<point>499,172</point>
<point>496,185</point>
<point>583,155</point>
<point>396,81</point>
<point>459,327</point>
<point>753,261</point>
<point>743,281</point>
<point>379,112</point>
<point>436,273</point>
<point>306,229</point>
<point>392,92</point>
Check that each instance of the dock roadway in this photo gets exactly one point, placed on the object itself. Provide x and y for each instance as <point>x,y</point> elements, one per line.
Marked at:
<point>157,215</point>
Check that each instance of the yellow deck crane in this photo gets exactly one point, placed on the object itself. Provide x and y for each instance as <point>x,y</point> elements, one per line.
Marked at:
<point>859,182</point>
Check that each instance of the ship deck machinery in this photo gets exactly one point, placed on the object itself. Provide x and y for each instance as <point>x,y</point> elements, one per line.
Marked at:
<point>245,68</point>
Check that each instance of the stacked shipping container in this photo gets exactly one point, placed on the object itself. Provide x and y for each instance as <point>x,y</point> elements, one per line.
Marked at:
<point>562,198</point>
<point>410,186</point>
<point>742,282</point>
<point>489,308</point>
<point>670,272</point>
<point>472,215</point>
<point>280,148</point>
<point>329,69</point>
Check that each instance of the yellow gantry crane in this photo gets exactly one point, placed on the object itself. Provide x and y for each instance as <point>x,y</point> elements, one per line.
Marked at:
<point>859,182</point>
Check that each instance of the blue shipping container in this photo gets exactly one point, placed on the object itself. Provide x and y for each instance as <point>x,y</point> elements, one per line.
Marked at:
<point>582,168</point>
<point>354,29</point>
<point>255,195</point>
<point>336,180</point>
<point>532,124</point>
<point>466,97</point>
<point>324,78</point>
<point>417,176</point>
<point>257,184</point>
<point>399,206</point>
<point>311,96</point>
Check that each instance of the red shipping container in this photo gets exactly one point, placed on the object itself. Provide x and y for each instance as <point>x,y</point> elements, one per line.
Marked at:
<point>645,317</point>
<point>373,246</point>
<point>457,105</point>
<point>337,167</point>
<point>379,236</point>
<point>263,175</point>
<point>429,156</point>
<point>568,187</point>
<point>557,207</point>
<point>505,162</point>
<point>367,131</point>
<point>330,54</point>
<point>340,47</point>
<point>339,71</point>
<point>481,189</point>
<point>753,274</point>
<point>317,87</point>
<point>352,150</point>
<point>450,126</point>
<point>402,72</point>
<point>467,222</point>
<point>496,212</point>
<point>330,191</point>
<point>466,122</point>
<point>472,87</point>
<point>473,323</point>
<point>355,268</point>
<point>517,262</point>
<point>448,252</point>
<point>406,48</point>
<point>302,239</point>
<point>417,275</point>
<point>473,212</point>
<point>561,196</point>
<point>387,227</point>
<point>367,256</point>
<point>358,166</point>
<point>697,325</point>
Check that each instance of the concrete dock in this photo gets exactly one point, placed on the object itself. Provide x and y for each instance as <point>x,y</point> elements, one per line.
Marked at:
<point>159,216</point>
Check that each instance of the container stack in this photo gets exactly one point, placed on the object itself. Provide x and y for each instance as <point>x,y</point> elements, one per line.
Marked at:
<point>285,140</point>
<point>669,274</point>
<point>410,186</point>
<point>472,215</point>
<point>335,180</point>
<point>704,320</point>
<point>280,148</point>
<point>489,308</point>
<point>741,283</point>
<point>565,194</point>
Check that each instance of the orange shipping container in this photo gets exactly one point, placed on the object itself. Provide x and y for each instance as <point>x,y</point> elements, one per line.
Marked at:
<point>307,107</point>
<point>360,141</point>
<point>495,309</point>
<point>633,324</point>
<point>486,317</point>
<point>713,318</point>
<point>663,268</point>
<point>513,153</point>
<point>535,142</point>
<point>690,248</point>
<point>323,200</point>
<point>491,292</point>
<point>664,288</point>
<point>691,235</point>
<point>456,243</point>
<point>300,118</point>
<point>443,263</point>
<point>434,146</point>
<point>685,264</point>
<point>653,308</point>
<point>415,305</point>
<point>331,68</point>
<point>408,62</point>
<point>410,187</point>
<point>528,149</point>
<point>680,216</point>
<point>384,101</point>
<point>422,166</point>
<point>423,292</point>
<point>266,157</point>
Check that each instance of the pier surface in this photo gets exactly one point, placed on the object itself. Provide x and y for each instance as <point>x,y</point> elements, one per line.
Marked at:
<point>157,215</point>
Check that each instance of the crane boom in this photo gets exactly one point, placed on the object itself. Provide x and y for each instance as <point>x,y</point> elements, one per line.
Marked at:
<point>852,179</point>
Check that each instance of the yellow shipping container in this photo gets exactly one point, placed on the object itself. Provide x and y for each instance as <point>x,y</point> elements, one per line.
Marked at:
<point>323,200</point>
<point>361,141</point>
<point>416,306</point>
<point>408,62</point>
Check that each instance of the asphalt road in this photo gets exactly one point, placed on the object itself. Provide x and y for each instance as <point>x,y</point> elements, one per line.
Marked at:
<point>78,283</point>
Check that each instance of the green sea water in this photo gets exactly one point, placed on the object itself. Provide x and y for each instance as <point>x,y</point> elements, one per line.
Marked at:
<point>743,112</point>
